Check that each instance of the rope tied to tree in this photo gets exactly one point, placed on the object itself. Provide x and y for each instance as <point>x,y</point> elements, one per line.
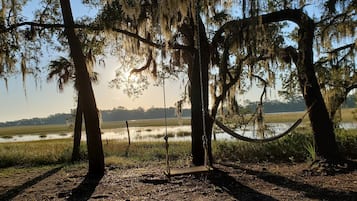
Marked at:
<point>203,110</point>
<point>247,139</point>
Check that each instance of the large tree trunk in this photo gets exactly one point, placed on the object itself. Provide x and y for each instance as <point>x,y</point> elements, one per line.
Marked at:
<point>322,125</point>
<point>198,154</point>
<point>77,132</point>
<point>86,95</point>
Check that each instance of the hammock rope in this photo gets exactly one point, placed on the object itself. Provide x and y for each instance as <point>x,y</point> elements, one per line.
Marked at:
<point>205,167</point>
<point>166,137</point>
<point>275,137</point>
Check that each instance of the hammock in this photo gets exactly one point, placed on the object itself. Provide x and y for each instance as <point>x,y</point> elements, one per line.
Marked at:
<point>247,139</point>
<point>275,137</point>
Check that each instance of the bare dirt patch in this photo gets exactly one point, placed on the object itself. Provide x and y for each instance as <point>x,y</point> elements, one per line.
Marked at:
<point>263,181</point>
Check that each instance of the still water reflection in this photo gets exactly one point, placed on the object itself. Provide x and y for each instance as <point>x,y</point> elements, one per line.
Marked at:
<point>156,133</point>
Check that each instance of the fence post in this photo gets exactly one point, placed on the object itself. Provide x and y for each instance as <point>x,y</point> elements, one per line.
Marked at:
<point>127,128</point>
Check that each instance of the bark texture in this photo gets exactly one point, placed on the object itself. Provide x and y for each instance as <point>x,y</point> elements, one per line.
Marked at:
<point>86,95</point>
<point>200,67</point>
<point>77,132</point>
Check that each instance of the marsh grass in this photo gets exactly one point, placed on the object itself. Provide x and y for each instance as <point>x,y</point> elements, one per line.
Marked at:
<point>62,129</point>
<point>158,136</point>
<point>34,153</point>
<point>38,130</point>
<point>48,152</point>
<point>347,116</point>
<point>288,149</point>
<point>63,134</point>
<point>183,134</point>
<point>170,135</point>
<point>147,122</point>
<point>6,137</point>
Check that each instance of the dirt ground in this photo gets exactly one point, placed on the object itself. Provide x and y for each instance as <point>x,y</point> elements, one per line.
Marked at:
<point>263,181</point>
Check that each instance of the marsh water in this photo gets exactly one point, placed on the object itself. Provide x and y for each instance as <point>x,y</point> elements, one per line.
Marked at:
<point>157,133</point>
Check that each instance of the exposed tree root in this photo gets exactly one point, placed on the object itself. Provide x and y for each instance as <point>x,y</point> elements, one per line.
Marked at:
<point>331,167</point>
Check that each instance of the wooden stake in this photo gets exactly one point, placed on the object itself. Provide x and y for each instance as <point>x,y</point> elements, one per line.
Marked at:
<point>127,128</point>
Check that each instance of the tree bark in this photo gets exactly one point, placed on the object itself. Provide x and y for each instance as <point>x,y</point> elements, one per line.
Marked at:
<point>322,125</point>
<point>198,154</point>
<point>77,132</point>
<point>86,95</point>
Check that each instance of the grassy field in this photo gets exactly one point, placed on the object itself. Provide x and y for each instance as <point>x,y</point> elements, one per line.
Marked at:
<point>347,116</point>
<point>42,129</point>
<point>45,129</point>
<point>147,122</point>
<point>293,148</point>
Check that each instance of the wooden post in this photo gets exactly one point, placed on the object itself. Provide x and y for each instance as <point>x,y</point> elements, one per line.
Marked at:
<point>127,128</point>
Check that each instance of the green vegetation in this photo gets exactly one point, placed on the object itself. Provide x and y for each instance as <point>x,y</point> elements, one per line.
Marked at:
<point>291,148</point>
<point>38,130</point>
<point>310,147</point>
<point>295,147</point>
<point>288,149</point>
<point>146,122</point>
<point>7,132</point>
<point>347,116</point>
<point>45,129</point>
<point>48,152</point>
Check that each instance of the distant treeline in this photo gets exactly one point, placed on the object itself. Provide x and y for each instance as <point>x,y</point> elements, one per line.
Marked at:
<point>123,114</point>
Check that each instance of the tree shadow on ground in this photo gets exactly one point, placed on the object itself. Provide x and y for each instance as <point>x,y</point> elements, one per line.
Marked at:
<point>10,194</point>
<point>236,189</point>
<point>85,190</point>
<point>311,191</point>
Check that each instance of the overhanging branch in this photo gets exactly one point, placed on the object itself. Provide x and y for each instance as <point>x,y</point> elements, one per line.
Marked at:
<point>94,28</point>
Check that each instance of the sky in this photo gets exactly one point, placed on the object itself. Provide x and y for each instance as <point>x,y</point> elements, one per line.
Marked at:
<point>45,99</point>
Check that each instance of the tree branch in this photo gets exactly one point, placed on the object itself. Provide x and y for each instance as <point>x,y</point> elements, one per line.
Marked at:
<point>350,88</point>
<point>95,28</point>
<point>351,45</point>
<point>146,66</point>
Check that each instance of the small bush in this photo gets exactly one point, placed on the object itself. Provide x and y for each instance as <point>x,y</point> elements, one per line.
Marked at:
<point>285,149</point>
<point>6,137</point>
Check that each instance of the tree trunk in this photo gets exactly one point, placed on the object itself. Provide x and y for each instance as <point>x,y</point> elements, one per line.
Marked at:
<point>86,95</point>
<point>322,125</point>
<point>77,132</point>
<point>198,153</point>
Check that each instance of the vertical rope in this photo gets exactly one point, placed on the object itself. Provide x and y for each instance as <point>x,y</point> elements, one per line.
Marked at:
<point>166,138</point>
<point>166,135</point>
<point>198,47</point>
